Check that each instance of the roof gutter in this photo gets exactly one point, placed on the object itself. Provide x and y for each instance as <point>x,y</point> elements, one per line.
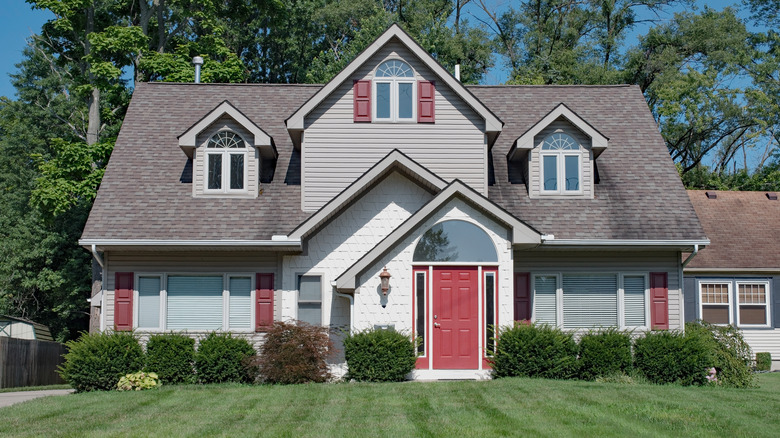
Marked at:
<point>275,242</point>
<point>549,240</point>
<point>97,255</point>
<point>691,256</point>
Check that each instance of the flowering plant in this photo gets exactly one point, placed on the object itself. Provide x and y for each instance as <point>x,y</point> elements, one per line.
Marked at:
<point>138,381</point>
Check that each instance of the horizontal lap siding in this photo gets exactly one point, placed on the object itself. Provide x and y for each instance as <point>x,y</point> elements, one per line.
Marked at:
<point>764,340</point>
<point>609,261</point>
<point>199,163</point>
<point>336,151</point>
<point>180,262</point>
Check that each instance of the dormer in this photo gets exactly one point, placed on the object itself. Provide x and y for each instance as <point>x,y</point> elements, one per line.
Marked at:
<point>226,149</point>
<point>558,155</point>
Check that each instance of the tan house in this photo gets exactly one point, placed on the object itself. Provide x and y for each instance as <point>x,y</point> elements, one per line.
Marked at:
<point>228,207</point>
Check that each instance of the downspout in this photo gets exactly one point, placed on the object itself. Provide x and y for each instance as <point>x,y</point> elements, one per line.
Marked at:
<point>690,257</point>
<point>681,276</point>
<point>101,262</point>
<point>351,307</point>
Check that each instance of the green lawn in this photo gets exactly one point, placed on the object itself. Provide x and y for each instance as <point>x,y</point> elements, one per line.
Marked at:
<point>452,409</point>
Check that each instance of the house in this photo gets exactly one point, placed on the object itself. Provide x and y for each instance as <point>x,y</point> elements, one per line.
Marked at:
<point>21,328</point>
<point>228,207</point>
<point>737,279</point>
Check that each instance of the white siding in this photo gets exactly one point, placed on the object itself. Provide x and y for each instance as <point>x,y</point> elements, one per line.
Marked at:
<point>613,262</point>
<point>764,340</point>
<point>336,151</point>
<point>534,161</point>
<point>192,262</point>
<point>252,165</point>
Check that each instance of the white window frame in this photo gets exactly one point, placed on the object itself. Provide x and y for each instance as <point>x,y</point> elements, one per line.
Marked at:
<point>767,300</point>
<point>225,300</point>
<point>417,312</point>
<point>394,82</point>
<point>490,349</point>
<point>730,295</point>
<point>298,294</point>
<point>226,153</point>
<point>621,307</point>
<point>561,167</point>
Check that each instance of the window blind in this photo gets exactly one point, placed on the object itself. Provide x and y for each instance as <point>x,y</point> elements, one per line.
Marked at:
<point>240,303</point>
<point>149,302</point>
<point>634,300</point>
<point>589,301</point>
<point>194,303</point>
<point>544,300</point>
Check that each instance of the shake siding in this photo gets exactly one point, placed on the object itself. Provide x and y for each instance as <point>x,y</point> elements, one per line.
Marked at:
<point>539,262</point>
<point>189,263</point>
<point>535,160</point>
<point>251,166</point>
<point>336,151</point>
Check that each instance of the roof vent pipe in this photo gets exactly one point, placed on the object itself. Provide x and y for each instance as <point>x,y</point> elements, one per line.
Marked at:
<point>198,61</point>
<point>457,71</point>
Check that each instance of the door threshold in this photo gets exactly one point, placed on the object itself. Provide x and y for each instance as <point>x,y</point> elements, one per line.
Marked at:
<point>450,375</point>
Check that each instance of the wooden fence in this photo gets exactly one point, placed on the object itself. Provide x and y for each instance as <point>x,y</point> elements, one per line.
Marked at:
<point>26,362</point>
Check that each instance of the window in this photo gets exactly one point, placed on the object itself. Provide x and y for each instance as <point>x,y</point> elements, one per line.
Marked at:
<point>576,301</point>
<point>455,241</point>
<point>741,300</point>
<point>560,164</point>
<point>194,302</point>
<point>310,299</point>
<point>490,310</point>
<point>394,91</point>
<point>226,157</point>
<point>419,290</point>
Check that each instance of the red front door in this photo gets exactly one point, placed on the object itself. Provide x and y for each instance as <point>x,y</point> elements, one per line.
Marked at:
<point>455,318</point>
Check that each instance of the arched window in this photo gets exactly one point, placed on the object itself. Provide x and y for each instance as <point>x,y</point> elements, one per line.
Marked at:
<point>455,241</point>
<point>226,157</point>
<point>395,92</point>
<point>560,167</point>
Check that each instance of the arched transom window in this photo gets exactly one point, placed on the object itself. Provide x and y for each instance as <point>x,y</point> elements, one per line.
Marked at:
<point>226,157</point>
<point>455,241</point>
<point>561,158</point>
<point>395,92</point>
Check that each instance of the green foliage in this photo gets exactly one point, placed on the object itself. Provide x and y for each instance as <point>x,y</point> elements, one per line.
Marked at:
<point>672,357</point>
<point>763,361</point>
<point>294,353</point>
<point>220,358</point>
<point>535,351</point>
<point>604,353</point>
<point>97,361</point>
<point>171,356</point>
<point>702,178</point>
<point>731,355</point>
<point>379,355</point>
<point>138,382</point>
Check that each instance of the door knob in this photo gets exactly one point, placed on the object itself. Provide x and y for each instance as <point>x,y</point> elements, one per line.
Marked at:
<point>436,324</point>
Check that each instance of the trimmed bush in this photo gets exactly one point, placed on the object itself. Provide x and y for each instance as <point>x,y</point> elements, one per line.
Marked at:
<point>604,353</point>
<point>730,353</point>
<point>96,361</point>
<point>220,358</point>
<point>763,361</point>
<point>379,355</point>
<point>293,353</point>
<point>672,357</point>
<point>171,356</point>
<point>535,351</point>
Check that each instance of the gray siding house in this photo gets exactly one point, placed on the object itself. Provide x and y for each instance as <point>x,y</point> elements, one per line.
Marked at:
<point>228,207</point>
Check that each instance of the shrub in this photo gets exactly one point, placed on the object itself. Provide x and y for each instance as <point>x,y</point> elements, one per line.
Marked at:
<point>763,361</point>
<point>138,381</point>
<point>604,353</point>
<point>379,355</point>
<point>672,357</point>
<point>171,356</point>
<point>220,358</point>
<point>535,351</point>
<point>96,361</point>
<point>293,353</point>
<point>731,356</point>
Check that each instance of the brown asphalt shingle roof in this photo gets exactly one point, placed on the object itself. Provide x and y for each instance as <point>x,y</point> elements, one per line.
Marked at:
<point>743,227</point>
<point>639,195</point>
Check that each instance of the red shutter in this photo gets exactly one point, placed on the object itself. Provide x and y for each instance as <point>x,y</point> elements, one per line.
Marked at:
<point>659,301</point>
<point>361,92</point>
<point>426,102</point>
<point>123,301</point>
<point>522,296</point>
<point>264,308</point>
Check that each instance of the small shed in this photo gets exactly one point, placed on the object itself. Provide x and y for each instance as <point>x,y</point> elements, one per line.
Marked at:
<point>20,328</point>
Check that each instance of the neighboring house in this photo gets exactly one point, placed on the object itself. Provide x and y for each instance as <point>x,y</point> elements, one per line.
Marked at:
<point>14,327</point>
<point>228,207</point>
<point>736,280</point>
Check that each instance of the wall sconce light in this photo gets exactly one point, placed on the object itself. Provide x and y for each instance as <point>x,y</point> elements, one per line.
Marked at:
<point>384,277</point>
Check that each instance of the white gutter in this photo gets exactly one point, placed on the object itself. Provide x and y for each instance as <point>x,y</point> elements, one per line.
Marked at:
<point>96,255</point>
<point>102,293</point>
<point>351,306</point>
<point>690,257</point>
<point>275,242</point>
<point>547,241</point>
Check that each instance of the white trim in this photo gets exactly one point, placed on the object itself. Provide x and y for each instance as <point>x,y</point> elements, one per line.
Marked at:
<point>729,295</point>
<point>480,318</point>
<point>426,339</point>
<point>431,374</point>
<point>225,180</point>
<point>298,277</point>
<point>767,300</point>
<point>624,242</point>
<point>560,164</point>
<point>394,82</point>
<point>224,243</point>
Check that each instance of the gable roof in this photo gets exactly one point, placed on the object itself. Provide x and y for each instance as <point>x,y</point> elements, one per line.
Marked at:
<point>522,235</point>
<point>394,161</point>
<point>744,229</point>
<point>492,122</point>
<point>526,141</point>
